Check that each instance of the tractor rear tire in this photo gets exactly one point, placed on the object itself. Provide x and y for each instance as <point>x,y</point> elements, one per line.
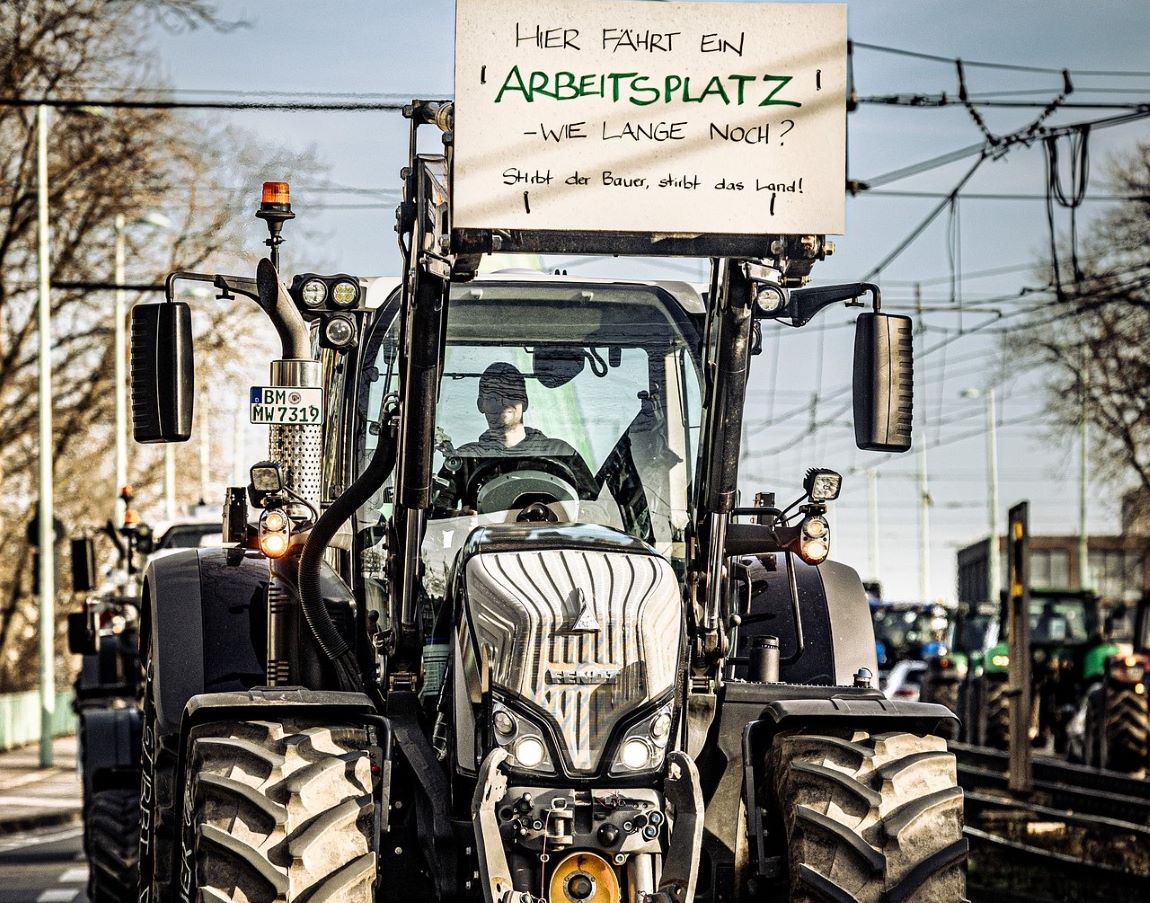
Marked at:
<point>997,703</point>
<point>279,811</point>
<point>1127,726</point>
<point>869,818</point>
<point>113,831</point>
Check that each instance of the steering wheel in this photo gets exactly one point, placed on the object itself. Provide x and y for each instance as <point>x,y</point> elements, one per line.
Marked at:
<point>502,482</point>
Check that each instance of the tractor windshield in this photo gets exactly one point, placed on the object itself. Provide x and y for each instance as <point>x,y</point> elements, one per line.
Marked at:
<point>560,403</point>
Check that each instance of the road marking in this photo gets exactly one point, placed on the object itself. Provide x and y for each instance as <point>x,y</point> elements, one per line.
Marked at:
<point>23,841</point>
<point>42,802</point>
<point>59,895</point>
<point>75,876</point>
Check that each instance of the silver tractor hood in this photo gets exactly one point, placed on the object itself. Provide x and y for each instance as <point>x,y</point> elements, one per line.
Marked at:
<point>580,628</point>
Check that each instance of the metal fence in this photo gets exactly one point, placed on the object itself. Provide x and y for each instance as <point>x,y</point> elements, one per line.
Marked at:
<point>20,717</point>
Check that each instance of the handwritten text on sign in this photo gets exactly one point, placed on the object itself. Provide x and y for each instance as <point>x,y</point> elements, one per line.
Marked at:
<point>642,117</point>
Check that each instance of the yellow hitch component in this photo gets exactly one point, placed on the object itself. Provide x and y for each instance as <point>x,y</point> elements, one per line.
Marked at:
<point>584,878</point>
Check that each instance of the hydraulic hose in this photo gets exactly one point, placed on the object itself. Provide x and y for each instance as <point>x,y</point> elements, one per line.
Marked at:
<point>315,613</point>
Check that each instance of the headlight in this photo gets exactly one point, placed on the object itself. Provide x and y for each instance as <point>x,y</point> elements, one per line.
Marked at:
<point>635,754</point>
<point>345,293</point>
<point>313,293</point>
<point>339,331</point>
<point>275,533</point>
<point>645,743</point>
<point>523,740</point>
<point>814,539</point>
<point>770,298</point>
<point>529,752</point>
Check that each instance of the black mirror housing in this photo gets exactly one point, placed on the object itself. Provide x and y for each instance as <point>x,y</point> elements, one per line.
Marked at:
<point>883,382</point>
<point>83,565</point>
<point>163,375</point>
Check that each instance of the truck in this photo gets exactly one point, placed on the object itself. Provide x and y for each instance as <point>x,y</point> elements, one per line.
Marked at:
<point>555,662</point>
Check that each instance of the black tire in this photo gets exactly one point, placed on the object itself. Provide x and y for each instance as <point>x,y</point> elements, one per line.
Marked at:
<point>869,818</point>
<point>944,691</point>
<point>997,703</point>
<point>1127,726</point>
<point>1092,741</point>
<point>113,830</point>
<point>158,819</point>
<point>279,812</point>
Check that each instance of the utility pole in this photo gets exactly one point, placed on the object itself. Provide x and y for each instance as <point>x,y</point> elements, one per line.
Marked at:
<point>994,556</point>
<point>120,369</point>
<point>47,502</point>
<point>170,481</point>
<point>923,486</point>
<point>872,520</point>
<point>1083,453</point>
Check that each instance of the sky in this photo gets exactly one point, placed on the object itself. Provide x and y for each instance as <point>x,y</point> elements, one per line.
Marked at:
<point>970,264</point>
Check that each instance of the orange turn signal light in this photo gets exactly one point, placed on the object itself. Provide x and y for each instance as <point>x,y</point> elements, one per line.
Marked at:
<point>131,518</point>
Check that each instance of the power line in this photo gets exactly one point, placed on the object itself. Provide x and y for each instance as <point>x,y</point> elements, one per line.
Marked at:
<point>1014,67</point>
<point>120,104</point>
<point>988,196</point>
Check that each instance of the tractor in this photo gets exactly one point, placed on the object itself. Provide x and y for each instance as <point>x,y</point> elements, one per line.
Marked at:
<point>954,673</point>
<point>105,633</point>
<point>1066,626</point>
<point>444,654</point>
<point>1112,727</point>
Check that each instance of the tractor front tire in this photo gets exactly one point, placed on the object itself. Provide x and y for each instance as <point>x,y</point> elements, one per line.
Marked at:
<point>1127,726</point>
<point>869,818</point>
<point>997,703</point>
<point>279,811</point>
<point>113,844</point>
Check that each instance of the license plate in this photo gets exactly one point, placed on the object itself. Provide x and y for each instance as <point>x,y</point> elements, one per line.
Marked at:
<point>287,405</point>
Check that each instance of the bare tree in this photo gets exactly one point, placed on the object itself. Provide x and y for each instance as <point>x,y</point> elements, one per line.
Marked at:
<point>102,164</point>
<point>1095,340</point>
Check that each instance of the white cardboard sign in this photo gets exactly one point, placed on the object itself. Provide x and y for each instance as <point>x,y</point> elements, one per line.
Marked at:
<point>679,118</point>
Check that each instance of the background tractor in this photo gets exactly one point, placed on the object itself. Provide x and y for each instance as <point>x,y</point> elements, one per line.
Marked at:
<point>1112,727</point>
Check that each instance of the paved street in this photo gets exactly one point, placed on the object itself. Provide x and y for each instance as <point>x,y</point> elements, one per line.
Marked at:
<point>41,855</point>
<point>45,865</point>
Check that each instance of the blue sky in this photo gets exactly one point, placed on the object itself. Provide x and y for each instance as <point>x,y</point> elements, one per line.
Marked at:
<point>405,50</point>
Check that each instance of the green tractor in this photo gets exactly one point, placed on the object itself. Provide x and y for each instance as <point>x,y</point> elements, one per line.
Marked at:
<point>1066,649</point>
<point>1112,727</point>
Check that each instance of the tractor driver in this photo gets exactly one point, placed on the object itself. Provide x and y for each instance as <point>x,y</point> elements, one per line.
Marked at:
<point>503,400</point>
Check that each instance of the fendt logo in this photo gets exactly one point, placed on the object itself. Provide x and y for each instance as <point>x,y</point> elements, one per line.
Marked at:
<point>581,675</point>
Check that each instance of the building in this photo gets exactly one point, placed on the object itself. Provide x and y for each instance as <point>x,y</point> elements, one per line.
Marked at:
<point>1117,566</point>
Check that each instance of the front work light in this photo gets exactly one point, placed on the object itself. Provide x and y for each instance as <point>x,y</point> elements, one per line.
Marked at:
<point>822,485</point>
<point>313,293</point>
<point>345,293</point>
<point>266,477</point>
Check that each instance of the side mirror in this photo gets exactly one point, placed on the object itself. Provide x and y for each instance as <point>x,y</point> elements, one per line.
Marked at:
<point>163,376</point>
<point>883,382</point>
<point>81,639</point>
<point>83,565</point>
